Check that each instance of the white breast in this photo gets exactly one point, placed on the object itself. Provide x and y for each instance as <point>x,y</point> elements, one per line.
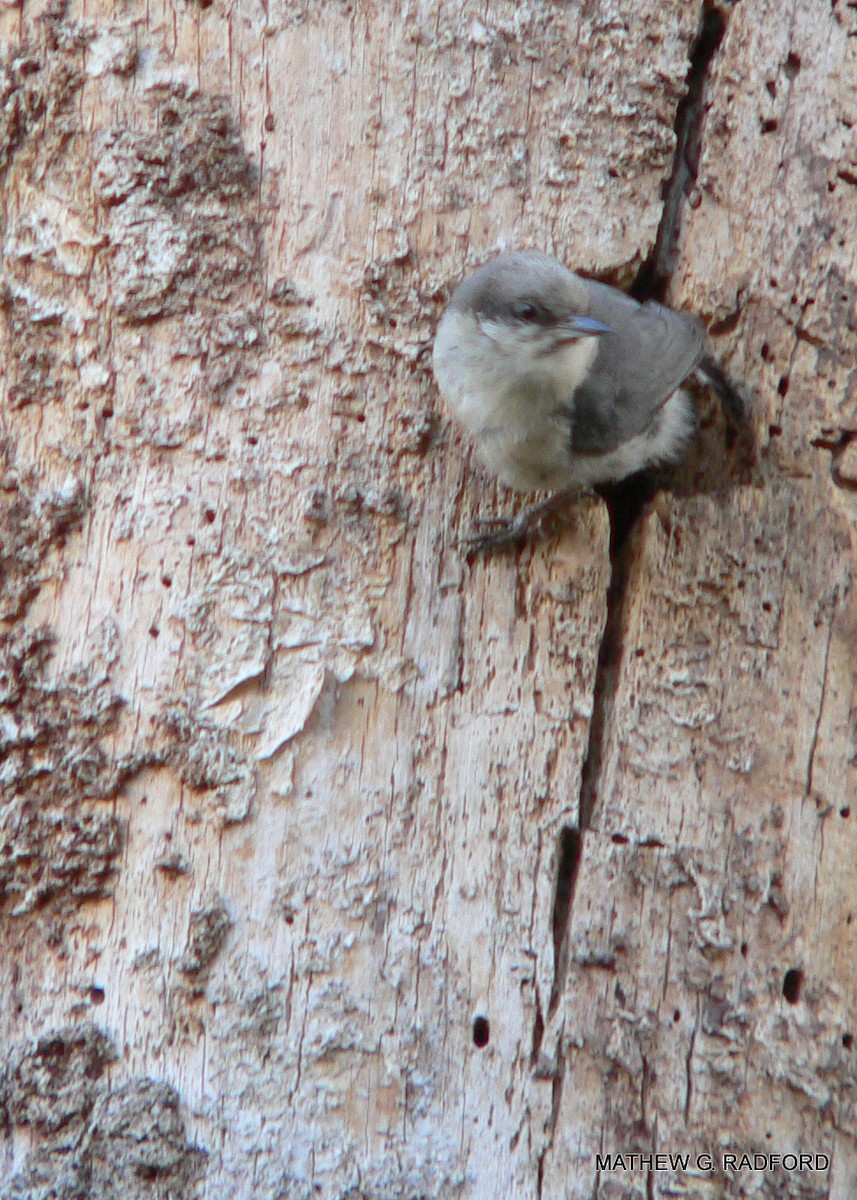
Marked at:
<point>511,400</point>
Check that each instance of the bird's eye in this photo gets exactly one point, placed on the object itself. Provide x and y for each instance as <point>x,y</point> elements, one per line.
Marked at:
<point>525,310</point>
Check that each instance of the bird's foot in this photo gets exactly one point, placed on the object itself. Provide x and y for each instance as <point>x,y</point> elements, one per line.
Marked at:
<point>497,533</point>
<point>501,533</point>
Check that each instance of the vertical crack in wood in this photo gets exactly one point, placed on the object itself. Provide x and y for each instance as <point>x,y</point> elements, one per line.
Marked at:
<point>568,864</point>
<point>655,273</point>
<point>627,500</point>
<point>810,766</point>
<point>556,1104</point>
<point>567,867</point>
<point>626,503</point>
<point>688,1071</point>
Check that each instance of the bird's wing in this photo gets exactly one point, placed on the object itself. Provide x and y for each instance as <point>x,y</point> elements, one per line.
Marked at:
<point>650,353</point>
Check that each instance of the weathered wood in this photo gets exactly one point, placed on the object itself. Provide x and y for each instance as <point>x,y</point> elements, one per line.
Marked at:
<point>333,864</point>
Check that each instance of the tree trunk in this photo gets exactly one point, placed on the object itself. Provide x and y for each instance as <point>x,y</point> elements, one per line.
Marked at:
<point>335,865</point>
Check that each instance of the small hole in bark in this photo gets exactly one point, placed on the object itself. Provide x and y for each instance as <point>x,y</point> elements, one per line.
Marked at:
<point>766,351</point>
<point>792,984</point>
<point>209,515</point>
<point>676,1016</point>
<point>766,606</point>
<point>481,1032</point>
<point>166,581</point>
<point>792,64</point>
<point>770,126</point>
<point>772,87</point>
<point>619,839</point>
<point>96,995</point>
<point>783,386</point>
<point>774,430</point>
<point>154,632</point>
<point>845,812</point>
<point>848,1040</point>
<point>744,949</point>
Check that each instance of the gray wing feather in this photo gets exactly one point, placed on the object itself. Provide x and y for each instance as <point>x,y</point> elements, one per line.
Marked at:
<point>640,365</point>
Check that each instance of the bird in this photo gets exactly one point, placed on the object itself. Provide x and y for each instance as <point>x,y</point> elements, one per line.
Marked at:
<point>564,383</point>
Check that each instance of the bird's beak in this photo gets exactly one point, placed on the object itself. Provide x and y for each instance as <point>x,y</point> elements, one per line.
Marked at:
<point>577,326</point>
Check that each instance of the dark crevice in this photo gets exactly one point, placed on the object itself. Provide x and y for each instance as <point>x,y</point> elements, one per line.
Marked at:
<point>688,1075</point>
<point>654,274</point>
<point>626,502</point>
<point>556,1102</point>
<point>538,1034</point>
<point>568,864</point>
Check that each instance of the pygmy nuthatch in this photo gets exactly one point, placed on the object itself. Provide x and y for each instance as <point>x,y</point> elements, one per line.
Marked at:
<point>565,383</point>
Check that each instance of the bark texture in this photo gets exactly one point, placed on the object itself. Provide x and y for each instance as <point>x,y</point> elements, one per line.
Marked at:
<point>335,866</point>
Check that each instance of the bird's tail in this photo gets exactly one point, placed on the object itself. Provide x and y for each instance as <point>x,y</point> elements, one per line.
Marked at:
<point>712,375</point>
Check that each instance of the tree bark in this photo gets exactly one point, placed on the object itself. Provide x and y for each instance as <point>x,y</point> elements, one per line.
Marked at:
<point>335,865</point>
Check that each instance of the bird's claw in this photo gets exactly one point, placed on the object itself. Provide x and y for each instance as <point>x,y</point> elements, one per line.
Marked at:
<point>502,532</point>
<point>496,533</point>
